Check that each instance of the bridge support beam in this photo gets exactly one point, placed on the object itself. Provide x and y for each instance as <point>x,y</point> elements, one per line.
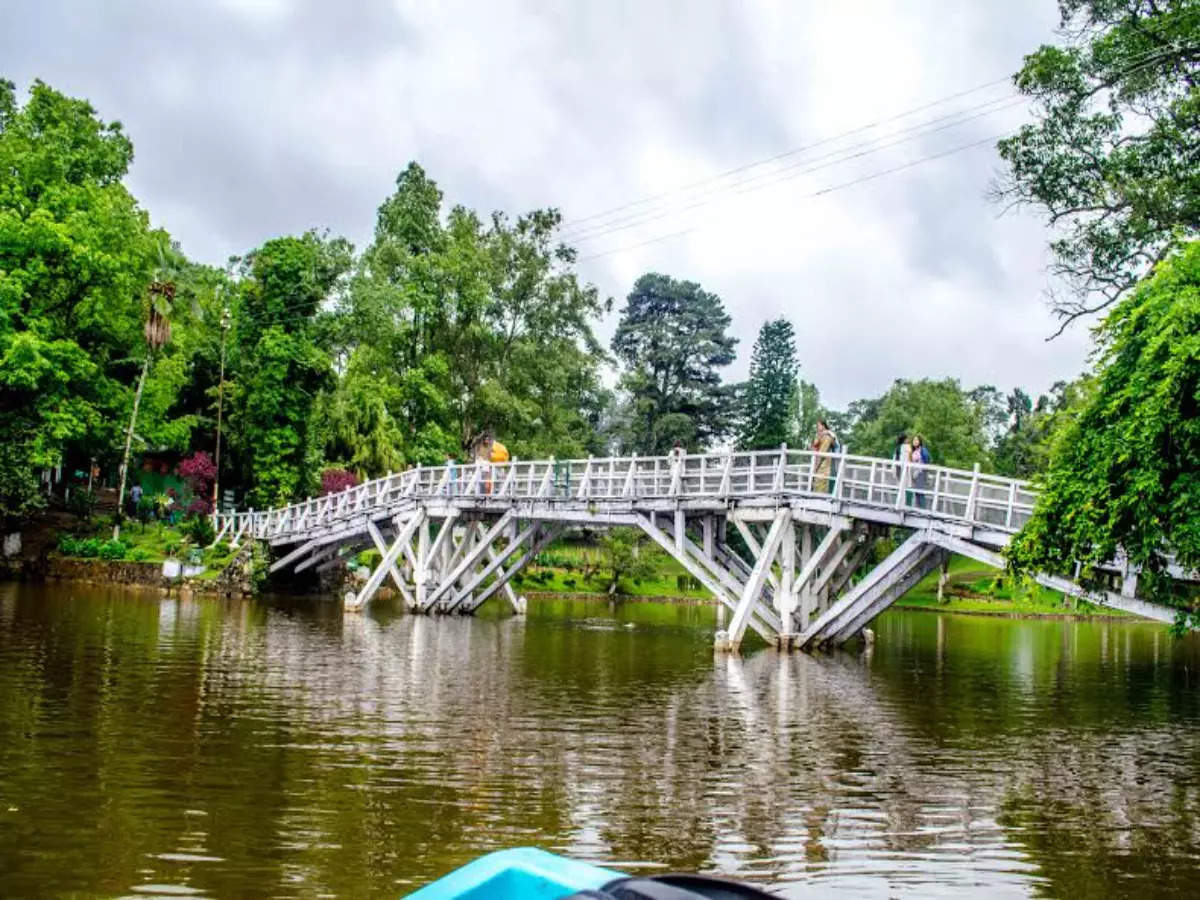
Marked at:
<point>363,597</point>
<point>764,621</point>
<point>1144,608</point>
<point>758,575</point>
<point>906,565</point>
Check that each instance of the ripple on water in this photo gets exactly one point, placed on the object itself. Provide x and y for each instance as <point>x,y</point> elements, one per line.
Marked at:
<point>299,754</point>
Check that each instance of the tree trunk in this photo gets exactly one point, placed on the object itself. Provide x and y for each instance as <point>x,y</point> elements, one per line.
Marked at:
<point>137,400</point>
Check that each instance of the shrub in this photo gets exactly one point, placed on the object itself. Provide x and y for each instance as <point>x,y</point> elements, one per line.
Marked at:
<point>86,548</point>
<point>199,507</point>
<point>199,471</point>
<point>112,550</point>
<point>82,503</point>
<point>200,530</point>
<point>335,480</point>
<point>145,508</point>
<point>569,583</point>
<point>138,554</point>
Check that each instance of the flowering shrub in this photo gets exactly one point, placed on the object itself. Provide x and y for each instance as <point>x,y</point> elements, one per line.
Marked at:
<point>335,480</point>
<point>199,471</point>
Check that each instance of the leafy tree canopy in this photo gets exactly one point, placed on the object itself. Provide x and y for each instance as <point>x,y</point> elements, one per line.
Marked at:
<point>672,339</point>
<point>75,256</point>
<point>950,421</point>
<point>453,328</point>
<point>1114,155</point>
<point>1124,471</point>
<point>282,362</point>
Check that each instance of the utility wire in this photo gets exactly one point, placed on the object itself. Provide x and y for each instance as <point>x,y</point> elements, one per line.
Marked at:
<point>826,190</point>
<point>573,223</point>
<point>777,176</point>
<point>574,231</point>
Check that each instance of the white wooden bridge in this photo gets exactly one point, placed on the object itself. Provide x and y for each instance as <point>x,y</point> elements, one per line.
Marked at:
<point>453,537</point>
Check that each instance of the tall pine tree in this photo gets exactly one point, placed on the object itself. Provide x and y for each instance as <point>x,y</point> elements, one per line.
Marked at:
<point>770,393</point>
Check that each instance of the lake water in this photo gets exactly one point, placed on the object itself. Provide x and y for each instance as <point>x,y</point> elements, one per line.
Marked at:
<point>234,748</point>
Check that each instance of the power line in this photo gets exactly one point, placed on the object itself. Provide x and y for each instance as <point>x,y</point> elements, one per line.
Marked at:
<point>776,176</point>
<point>574,223</point>
<point>575,232</point>
<point>826,190</point>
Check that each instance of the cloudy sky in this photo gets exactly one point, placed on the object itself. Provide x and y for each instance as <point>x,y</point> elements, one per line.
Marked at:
<point>642,121</point>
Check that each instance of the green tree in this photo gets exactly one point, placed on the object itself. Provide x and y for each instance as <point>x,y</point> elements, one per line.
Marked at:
<point>463,328</point>
<point>808,411</point>
<point>626,554</point>
<point>282,363</point>
<point>1125,469</point>
<point>75,257</point>
<point>1114,155</point>
<point>950,421</point>
<point>672,341</point>
<point>770,394</point>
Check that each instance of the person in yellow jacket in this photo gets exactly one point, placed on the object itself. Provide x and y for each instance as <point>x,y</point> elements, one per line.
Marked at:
<point>490,452</point>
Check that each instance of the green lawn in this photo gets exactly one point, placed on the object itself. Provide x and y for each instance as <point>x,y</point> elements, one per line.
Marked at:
<point>156,542</point>
<point>973,587</point>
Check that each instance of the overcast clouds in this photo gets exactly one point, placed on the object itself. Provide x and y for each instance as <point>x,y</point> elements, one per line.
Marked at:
<point>253,118</point>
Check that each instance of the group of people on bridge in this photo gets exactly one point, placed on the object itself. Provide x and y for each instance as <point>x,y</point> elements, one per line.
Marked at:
<point>910,454</point>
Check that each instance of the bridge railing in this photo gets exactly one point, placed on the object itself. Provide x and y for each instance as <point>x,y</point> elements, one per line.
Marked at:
<point>968,496</point>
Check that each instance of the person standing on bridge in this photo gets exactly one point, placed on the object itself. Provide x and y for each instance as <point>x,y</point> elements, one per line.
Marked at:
<point>824,443</point>
<point>918,459</point>
<point>451,475</point>
<point>676,466</point>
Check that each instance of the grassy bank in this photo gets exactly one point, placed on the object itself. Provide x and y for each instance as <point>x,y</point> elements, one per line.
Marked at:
<point>975,588</point>
<point>154,542</point>
<point>972,587</point>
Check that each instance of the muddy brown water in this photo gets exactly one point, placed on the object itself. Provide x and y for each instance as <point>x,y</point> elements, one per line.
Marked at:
<point>153,746</point>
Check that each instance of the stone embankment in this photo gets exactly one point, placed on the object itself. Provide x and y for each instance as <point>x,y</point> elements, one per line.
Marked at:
<point>236,580</point>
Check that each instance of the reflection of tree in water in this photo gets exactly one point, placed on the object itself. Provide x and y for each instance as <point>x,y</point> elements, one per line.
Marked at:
<point>307,752</point>
<point>1092,729</point>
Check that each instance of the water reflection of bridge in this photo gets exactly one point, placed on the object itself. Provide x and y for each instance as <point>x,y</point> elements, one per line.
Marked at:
<point>858,773</point>
<point>236,749</point>
<point>451,538</point>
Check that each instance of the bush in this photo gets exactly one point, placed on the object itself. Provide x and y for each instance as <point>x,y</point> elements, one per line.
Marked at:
<point>199,471</point>
<point>138,554</point>
<point>200,530</point>
<point>82,503</point>
<point>86,548</point>
<point>199,507</point>
<point>112,550</point>
<point>145,508</point>
<point>334,481</point>
<point>569,583</point>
